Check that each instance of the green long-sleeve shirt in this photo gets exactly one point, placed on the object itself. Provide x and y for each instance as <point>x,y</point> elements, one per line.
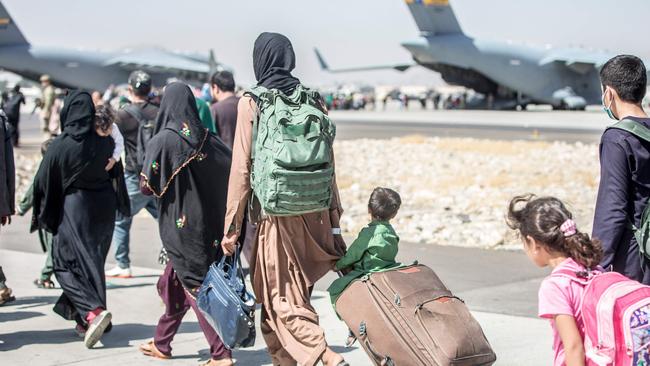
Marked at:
<point>374,250</point>
<point>205,115</point>
<point>27,201</point>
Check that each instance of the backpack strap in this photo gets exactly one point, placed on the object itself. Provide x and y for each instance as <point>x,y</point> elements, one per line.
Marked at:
<point>256,94</point>
<point>136,112</point>
<point>634,128</point>
<point>575,276</point>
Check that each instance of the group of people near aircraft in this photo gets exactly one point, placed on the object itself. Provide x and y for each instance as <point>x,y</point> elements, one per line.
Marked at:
<point>211,193</point>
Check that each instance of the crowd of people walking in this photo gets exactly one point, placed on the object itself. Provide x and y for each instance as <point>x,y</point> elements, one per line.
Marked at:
<point>202,179</point>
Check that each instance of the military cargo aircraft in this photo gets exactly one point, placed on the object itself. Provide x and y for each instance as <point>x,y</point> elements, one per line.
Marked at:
<point>95,70</point>
<point>507,74</point>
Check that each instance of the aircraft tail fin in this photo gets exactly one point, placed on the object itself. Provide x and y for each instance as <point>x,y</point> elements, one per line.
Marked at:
<point>434,17</point>
<point>321,60</point>
<point>10,35</point>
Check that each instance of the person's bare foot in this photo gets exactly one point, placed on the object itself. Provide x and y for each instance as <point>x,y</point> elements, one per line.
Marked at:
<point>221,362</point>
<point>149,349</point>
<point>6,296</point>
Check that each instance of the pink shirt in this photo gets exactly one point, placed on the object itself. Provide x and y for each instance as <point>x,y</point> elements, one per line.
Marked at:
<point>561,296</point>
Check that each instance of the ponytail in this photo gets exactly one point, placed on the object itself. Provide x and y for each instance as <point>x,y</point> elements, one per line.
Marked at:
<point>542,219</point>
<point>583,250</point>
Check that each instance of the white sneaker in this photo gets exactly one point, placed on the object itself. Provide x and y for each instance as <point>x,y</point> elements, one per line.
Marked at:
<point>96,328</point>
<point>118,272</point>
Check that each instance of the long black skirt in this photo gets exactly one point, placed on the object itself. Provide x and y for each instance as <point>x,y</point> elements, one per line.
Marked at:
<point>79,251</point>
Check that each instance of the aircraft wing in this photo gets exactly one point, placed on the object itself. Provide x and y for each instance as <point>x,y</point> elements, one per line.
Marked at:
<point>582,61</point>
<point>325,67</point>
<point>158,61</point>
<point>579,61</point>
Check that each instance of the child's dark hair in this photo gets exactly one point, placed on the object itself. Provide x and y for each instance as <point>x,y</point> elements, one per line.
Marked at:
<point>104,117</point>
<point>384,204</point>
<point>46,145</point>
<point>541,219</point>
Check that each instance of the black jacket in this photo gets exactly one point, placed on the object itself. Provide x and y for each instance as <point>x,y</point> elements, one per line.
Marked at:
<point>622,196</point>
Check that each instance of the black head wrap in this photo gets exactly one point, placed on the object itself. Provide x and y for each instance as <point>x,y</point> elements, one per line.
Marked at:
<point>273,61</point>
<point>78,115</point>
<point>178,112</point>
<point>179,137</point>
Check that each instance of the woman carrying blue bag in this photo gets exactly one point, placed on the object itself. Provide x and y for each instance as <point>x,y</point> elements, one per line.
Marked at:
<point>186,167</point>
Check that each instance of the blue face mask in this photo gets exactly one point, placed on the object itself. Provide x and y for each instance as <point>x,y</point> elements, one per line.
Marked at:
<point>608,109</point>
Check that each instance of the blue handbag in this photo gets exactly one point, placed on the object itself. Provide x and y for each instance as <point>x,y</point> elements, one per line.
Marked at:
<point>226,304</point>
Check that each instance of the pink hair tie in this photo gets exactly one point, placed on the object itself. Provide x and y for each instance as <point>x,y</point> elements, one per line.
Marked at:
<point>568,228</point>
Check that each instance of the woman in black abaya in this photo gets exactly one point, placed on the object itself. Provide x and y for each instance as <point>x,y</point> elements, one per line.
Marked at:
<point>187,169</point>
<point>75,200</point>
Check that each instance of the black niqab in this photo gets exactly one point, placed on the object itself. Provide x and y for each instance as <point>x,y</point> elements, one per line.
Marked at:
<point>78,115</point>
<point>273,61</point>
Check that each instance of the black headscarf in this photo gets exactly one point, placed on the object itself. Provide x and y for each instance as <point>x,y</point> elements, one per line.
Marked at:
<point>273,61</point>
<point>68,155</point>
<point>178,114</point>
<point>78,115</point>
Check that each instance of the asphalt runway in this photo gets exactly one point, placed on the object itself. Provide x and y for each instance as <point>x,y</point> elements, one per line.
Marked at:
<point>495,125</point>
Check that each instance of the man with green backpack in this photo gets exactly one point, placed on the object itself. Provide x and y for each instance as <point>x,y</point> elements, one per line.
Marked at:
<point>621,220</point>
<point>283,168</point>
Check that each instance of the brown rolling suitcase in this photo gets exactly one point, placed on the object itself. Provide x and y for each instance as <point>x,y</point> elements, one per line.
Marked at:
<point>407,317</point>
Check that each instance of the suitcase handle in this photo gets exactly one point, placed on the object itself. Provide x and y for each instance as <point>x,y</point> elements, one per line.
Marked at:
<point>379,359</point>
<point>419,306</point>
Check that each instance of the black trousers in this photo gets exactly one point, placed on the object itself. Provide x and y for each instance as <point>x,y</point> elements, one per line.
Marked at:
<point>3,279</point>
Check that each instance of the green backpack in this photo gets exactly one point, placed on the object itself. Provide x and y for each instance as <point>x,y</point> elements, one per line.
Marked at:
<point>642,232</point>
<point>293,162</point>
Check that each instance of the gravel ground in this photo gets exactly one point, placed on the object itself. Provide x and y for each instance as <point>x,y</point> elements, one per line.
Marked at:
<point>454,190</point>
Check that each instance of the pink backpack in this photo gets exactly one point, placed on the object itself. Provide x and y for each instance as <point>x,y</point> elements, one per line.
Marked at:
<point>616,315</point>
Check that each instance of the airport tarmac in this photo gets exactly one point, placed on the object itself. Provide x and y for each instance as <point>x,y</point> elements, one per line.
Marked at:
<point>497,125</point>
<point>544,125</point>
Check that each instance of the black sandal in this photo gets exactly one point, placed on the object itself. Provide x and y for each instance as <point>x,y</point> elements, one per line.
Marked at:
<point>46,284</point>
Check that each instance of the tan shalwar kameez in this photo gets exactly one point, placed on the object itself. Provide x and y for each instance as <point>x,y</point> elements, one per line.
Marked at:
<point>292,253</point>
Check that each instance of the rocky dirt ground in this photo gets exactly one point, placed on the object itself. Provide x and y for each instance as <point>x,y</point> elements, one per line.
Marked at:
<point>454,190</point>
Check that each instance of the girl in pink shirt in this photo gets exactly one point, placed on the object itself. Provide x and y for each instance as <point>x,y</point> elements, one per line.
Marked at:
<point>551,239</point>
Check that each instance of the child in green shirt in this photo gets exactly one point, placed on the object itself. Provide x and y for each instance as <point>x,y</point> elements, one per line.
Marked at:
<point>25,204</point>
<point>375,248</point>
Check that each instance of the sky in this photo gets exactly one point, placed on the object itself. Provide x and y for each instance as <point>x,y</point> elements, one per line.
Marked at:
<point>347,32</point>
